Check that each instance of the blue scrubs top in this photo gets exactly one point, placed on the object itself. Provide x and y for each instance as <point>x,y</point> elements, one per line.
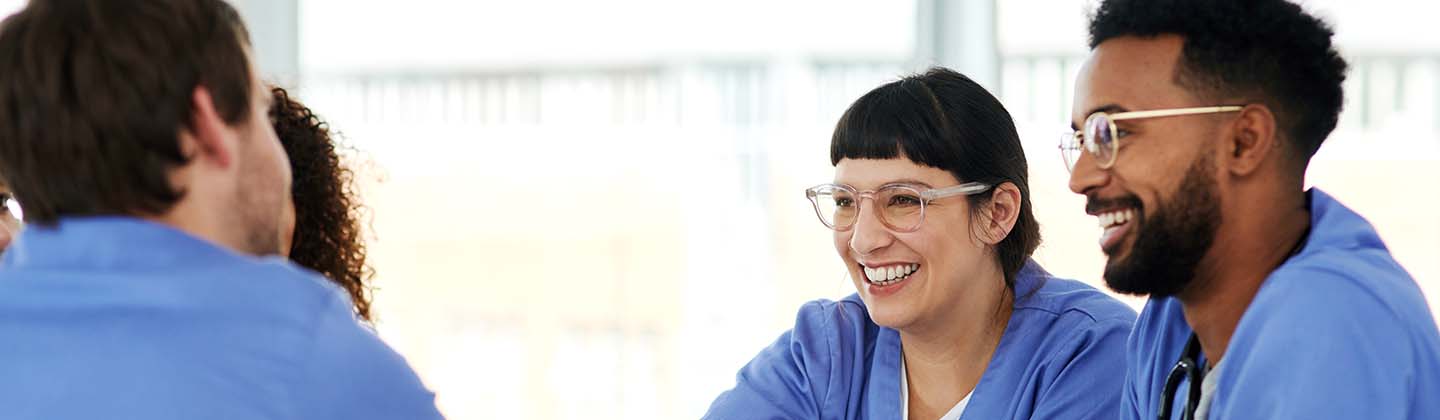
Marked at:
<point>119,318</point>
<point>1339,331</point>
<point>1060,358</point>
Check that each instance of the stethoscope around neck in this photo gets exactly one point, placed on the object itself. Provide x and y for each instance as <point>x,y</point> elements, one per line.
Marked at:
<point>1188,367</point>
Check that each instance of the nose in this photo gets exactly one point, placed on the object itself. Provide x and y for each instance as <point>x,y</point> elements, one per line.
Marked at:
<point>1087,175</point>
<point>869,233</point>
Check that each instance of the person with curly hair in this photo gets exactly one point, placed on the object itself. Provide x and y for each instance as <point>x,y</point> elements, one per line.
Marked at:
<point>147,283</point>
<point>325,233</point>
<point>1194,122</point>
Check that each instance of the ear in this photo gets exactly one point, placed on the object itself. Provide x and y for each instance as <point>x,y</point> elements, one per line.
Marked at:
<point>1251,140</point>
<point>209,138</point>
<point>1000,214</point>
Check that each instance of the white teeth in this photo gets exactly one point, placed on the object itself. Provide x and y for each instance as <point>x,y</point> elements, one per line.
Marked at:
<point>1115,218</point>
<point>891,274</point>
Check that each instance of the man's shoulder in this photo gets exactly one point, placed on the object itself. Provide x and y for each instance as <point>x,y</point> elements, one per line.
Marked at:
<point>1077,301</point>
<point>1342,283</point>
<point>257,296</point>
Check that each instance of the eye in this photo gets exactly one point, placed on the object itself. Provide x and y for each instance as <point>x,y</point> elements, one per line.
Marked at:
<point>903,200</point>
<point>844,202</point>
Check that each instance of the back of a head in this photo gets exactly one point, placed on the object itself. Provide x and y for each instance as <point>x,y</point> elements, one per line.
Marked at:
<point>1262,51</point>
<point>944,120</point>
<point>94,93</point>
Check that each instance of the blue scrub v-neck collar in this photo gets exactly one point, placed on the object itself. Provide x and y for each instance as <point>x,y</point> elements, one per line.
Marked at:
<point>884,389</point>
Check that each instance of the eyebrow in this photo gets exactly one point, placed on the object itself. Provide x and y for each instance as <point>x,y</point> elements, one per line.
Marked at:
<point>1107,108</point>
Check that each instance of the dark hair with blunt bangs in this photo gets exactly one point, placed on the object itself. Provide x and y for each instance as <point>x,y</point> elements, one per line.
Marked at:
<point>944,120</point>
<point>93,95</point>
<point>1266,51</point>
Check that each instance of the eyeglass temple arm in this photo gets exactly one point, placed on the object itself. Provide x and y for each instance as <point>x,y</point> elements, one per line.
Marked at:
<point>1174,112</point>
<point>967,188</point>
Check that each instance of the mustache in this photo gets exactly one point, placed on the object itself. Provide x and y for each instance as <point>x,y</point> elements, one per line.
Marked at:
<point>1095,204</point>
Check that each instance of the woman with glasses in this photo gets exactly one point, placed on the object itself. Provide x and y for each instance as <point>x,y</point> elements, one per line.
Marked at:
<point>930,210</point>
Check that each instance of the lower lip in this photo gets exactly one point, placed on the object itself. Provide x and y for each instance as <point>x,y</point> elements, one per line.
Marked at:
<point>1110,240</point>
<point>889,289</point>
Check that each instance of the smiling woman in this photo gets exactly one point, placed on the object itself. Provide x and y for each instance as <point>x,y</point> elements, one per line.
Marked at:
<point>931,215</point>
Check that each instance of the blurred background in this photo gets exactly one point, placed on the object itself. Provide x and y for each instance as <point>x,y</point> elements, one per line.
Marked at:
<point>595,208</point>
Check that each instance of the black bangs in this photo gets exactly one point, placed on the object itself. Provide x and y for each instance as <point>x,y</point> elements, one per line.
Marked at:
<point>899,118</point>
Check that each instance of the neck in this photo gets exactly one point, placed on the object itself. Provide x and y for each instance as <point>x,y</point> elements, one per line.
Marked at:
<point>188,217</point>
<point>1231,274</point>
<point>945,358</point>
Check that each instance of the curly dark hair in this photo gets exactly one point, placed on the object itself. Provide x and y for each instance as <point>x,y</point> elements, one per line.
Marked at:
<point>328,231</point>
<point>1269,51</point>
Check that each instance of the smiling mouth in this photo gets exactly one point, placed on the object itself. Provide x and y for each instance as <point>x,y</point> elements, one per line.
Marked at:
<point>888,274</point>
<point>1116,223</point>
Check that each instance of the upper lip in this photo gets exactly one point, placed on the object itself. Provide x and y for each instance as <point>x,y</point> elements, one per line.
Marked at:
<point>1100,211</point>
<point>1096,206</point>
<point>873,264</point>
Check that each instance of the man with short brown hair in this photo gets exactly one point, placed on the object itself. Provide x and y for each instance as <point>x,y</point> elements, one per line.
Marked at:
<point>136,135</point>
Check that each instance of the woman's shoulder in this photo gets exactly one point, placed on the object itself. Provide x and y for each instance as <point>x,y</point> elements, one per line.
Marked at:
<point>1042,294</point>
<point>835,317</point>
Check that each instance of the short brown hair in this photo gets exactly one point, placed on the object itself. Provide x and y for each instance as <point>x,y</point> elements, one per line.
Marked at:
<point>94,93</point>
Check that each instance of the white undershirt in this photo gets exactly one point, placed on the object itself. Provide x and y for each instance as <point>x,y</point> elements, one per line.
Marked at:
<point>1207,392</point>
<point>953,414</point>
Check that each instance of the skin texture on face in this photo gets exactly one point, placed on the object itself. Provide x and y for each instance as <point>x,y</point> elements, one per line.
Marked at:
<point>287,228</point>
<point>262,199</point>
<point>1164,173</point>
<point>948,254</point>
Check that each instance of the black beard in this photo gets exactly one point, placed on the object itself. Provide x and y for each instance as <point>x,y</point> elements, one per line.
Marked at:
<point>1170,245</point>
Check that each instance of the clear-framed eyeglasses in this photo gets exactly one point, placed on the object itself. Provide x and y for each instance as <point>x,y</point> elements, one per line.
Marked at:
<point>1101,137</point>
<point>901,207</point>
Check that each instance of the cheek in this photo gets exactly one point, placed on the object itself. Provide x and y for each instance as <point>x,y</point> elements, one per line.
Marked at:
<point>948,246</point>
<point>287,227</point>
<point>842,245</point>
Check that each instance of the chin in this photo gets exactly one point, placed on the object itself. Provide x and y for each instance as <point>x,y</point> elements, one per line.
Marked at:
<point>890,314</point>
<point>890,319</point>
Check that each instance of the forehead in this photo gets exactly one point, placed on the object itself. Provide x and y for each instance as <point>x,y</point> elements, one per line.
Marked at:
<point>872,173</point>
<point>1132,72</point>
